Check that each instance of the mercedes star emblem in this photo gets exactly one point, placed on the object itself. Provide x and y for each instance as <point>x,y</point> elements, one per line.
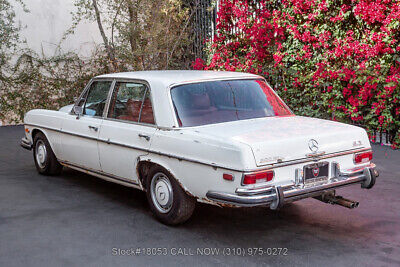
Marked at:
<point>313,145</point>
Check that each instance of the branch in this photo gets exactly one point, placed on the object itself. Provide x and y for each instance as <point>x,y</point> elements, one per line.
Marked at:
<point>113,23</point>
<point>109,49</point>
<point>181,33</point>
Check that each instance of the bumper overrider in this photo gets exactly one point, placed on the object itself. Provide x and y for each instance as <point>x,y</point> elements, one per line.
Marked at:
<point>25,143</point>
<point>276,196</point>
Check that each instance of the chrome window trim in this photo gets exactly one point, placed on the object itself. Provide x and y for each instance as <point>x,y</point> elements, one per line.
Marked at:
<point>172,86</point>
<point>276,94</point>
<point>109,96</point>
<point>141,106</point>
<point>283,164</point>
<point>132,122</point>
<point>85,89</point>
<point>148,88</point>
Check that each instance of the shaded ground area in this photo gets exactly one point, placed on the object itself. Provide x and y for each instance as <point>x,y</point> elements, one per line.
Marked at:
<point>76,219</point>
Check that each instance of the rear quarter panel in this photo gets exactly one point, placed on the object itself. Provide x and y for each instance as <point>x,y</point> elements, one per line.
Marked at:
<point>198,163</point>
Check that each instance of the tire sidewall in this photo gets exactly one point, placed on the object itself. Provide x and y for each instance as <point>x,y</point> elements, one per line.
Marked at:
<point>41,137</point>
<point>173,214</point>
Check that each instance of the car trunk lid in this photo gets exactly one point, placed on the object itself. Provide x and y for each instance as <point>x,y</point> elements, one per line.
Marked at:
<point>280,139</point>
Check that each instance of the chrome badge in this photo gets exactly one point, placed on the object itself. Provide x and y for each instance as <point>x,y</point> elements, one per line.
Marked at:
<point>315,171</point>
<point>357,143</point>
<point>313,145</point>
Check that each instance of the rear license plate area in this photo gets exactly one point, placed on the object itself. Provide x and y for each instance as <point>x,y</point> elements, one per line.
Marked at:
<point>316,172</point>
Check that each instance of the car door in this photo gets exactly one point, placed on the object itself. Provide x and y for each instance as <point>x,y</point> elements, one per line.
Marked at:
<point>80,134</point>
<point>127,130</point>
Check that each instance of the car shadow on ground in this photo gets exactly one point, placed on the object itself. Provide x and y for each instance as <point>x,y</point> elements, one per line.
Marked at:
<point>227,221</point>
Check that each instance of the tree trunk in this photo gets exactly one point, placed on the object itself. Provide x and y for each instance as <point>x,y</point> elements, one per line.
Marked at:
<point>109,48</point>
<point>132,21</point>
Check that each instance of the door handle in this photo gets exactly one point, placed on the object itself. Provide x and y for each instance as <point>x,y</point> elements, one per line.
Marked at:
<point>93,128</point>
<point>145,137</point>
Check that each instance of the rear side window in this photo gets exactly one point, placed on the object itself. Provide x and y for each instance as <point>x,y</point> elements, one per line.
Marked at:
<point>131,102</point>
<point>146,116</point>
<point>222,101</point>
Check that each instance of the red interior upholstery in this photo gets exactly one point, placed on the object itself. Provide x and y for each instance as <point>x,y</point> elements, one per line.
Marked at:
<point>201,101</point>
<point>132,111</point>
<point>147,112</point>
<point>203,112</point>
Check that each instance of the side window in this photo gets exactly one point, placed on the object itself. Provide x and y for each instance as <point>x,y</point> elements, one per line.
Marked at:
<point>146,116</point>
<point>128,102</point>
<point>96,98</point>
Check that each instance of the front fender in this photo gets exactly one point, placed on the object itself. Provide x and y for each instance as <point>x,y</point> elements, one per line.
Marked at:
<point>49,122</point>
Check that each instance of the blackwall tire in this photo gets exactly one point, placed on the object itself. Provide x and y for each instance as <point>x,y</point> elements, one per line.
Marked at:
<point>45,161</point>
<point>169,203</point>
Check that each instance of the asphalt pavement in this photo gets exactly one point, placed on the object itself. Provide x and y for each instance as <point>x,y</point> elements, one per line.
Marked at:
<point>79,220</point>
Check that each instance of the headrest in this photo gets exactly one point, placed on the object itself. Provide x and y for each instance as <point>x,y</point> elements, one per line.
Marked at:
<point>132,107</point>
<point>201,101</point>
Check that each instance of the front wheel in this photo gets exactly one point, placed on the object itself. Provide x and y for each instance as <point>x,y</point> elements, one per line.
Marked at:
<point>168,201</point>
<point>45,160</point>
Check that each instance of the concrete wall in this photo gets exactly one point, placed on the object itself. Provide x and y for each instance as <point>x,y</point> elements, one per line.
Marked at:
<point>46,23</point>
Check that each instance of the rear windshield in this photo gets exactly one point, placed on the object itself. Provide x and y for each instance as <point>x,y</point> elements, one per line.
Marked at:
<point>221,101</point>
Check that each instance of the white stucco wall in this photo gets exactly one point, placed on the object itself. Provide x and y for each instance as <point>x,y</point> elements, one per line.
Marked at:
<point>46,23</point>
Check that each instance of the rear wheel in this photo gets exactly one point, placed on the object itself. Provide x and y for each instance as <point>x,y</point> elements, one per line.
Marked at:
<point>168,201</point>
<point>45,161</point>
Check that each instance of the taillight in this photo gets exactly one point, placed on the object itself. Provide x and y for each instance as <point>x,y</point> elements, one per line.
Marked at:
<point>259,177</point>
<point>363,157</point>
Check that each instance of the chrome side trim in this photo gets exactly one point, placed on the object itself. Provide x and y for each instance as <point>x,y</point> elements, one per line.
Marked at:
<point>315,155</point>
<point>141,149</point>
<point>304,160</point>
<point>132,122</point>
<point>214,165</point>
<point>108,175</point>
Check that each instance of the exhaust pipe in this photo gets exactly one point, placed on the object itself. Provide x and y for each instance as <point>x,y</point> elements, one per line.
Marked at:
<point>350,204</point>
<point>331,198</point>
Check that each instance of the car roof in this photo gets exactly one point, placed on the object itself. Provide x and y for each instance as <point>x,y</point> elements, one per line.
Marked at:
<point>160,80</point>
<point>170,77</point>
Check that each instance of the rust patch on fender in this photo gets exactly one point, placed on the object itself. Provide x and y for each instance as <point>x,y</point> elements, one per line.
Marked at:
<point>184,188</point>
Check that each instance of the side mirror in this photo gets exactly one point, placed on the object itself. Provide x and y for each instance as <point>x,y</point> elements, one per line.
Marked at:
<point>78,111</point>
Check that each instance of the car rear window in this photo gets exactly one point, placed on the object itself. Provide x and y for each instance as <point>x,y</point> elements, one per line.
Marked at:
<point>222,101</point>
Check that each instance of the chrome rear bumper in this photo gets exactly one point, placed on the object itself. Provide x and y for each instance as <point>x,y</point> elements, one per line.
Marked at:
<point>277,196</point>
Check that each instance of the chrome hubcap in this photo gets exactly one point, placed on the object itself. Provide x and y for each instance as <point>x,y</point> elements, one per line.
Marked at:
<point>161,192</point>
<point>41,153</point>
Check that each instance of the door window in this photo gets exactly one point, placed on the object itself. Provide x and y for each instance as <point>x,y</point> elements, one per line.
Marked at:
<point>131,102</point>
<point>146,116</point>
<point>96,98</point>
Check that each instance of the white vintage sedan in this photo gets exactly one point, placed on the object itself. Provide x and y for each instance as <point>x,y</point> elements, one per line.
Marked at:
<point>223,138</point>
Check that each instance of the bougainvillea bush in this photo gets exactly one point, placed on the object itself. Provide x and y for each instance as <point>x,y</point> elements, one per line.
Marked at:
<point>330,59</point>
